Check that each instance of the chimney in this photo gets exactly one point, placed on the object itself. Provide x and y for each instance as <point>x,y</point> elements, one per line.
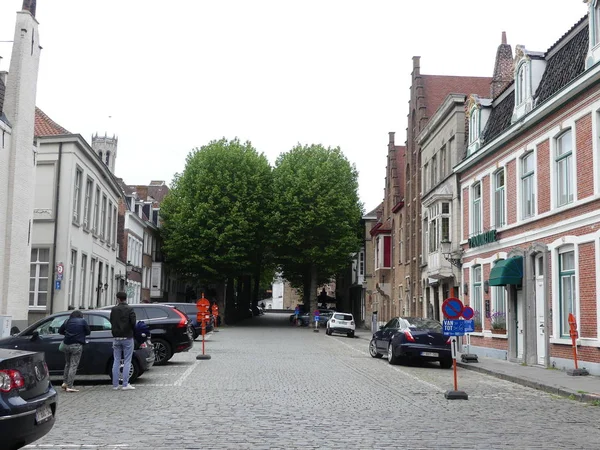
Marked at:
<point>416,65</point>
<point>503,68</point>
<point>29,5</point>
<point>392,135</point>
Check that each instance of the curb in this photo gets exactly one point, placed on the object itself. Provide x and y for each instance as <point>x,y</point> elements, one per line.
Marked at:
<point>563,392</point>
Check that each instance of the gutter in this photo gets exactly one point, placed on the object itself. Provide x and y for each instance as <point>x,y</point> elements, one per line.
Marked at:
<point>57,200</point>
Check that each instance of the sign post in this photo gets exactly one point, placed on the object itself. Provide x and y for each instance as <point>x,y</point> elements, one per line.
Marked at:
<point>203,316</point>
<point>468,314</point>
<point>574,335</point>
<point>317,317</point>
<point>453,308</point>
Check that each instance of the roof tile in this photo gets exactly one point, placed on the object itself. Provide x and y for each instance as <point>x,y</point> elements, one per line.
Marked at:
<point>45,126</point>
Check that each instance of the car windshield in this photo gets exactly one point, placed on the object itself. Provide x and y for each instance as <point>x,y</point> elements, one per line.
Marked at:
<point>418,323</point>
<point>343,316</point>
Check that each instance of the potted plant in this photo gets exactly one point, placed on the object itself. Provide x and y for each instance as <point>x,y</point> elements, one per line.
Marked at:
<point>498,322</point>
<point>477,321</point>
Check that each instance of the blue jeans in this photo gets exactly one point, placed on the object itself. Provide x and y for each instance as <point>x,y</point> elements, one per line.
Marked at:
<point>122,349</point>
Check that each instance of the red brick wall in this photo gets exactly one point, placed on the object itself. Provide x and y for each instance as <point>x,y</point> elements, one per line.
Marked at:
<point>543,176</point>
<point>511,192</point>
<point>587,290</point>
<point>585,157</point>
<point>465,208</point>
<point>499,344</point>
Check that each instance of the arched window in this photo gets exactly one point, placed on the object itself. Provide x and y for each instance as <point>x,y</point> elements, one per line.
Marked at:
<point>107,158</point>
<point>100,155</point>
<point>595,20</point>
<point>474,125</point>
<point>522,87</point>
<point>564,168</point>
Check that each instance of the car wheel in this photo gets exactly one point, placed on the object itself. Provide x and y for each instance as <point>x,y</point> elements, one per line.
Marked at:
<point>351,334</point>
<point>162,351</point>
<point>446,363</point>
<point>134,370</point>
<point>392,359</point>
<point>373,349</point>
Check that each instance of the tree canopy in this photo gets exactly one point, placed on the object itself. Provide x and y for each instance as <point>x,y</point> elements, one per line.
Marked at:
<point>215,216</point>
<point>316,214</point>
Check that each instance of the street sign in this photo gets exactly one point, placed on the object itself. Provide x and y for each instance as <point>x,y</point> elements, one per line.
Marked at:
<point>57,285</point>
<point>452,308</point>
<point>469,326</point>
<point>468,313</point>
<point>454,327</point>
<point>60,269</point>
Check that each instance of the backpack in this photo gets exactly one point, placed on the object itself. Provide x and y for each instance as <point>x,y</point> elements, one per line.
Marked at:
<point>141,332</point>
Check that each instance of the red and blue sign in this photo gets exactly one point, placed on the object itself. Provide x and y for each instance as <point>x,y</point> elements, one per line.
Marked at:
<point>468,313</point>
<point>452,308</point>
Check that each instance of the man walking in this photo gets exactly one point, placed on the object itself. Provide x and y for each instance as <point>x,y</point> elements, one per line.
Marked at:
<point>122,319</point>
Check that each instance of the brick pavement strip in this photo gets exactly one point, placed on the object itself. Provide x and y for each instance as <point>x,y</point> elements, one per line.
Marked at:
<point>272,386</point>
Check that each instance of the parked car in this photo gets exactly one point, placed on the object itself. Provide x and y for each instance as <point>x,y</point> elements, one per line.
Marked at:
<point>341,323</point>
<point>27,398</point>
<point>305,318</point>
<point>170,330</point>
<point>412,337</point>
<point>97,356</point>
<point>190,310</point>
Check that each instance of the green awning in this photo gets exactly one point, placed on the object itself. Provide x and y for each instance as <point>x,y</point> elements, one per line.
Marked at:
<point>507,271</point>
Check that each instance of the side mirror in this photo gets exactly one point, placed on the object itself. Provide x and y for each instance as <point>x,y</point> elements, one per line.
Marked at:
<point>35,336</point>
<point>381,327</point>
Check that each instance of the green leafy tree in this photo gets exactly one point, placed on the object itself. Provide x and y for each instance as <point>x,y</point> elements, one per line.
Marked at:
<point>316,216</point>
<point>215,216</point>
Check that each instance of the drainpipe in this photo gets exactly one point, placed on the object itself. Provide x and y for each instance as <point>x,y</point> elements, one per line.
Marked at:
<point>56,209</point>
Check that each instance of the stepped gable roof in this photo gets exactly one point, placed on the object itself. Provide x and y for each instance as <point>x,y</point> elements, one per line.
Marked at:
<point>437,88</point>
<point>563,66</point>
<point>45,126</point>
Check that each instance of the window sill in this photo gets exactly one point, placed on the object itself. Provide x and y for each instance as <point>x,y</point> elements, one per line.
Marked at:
<point>581,342</point>
<point>37,308</point>
<point>75,223</point>
<point>86,230</point>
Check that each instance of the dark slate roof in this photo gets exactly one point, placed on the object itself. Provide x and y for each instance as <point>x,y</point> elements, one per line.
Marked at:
<point>500,117</point>
<point>563,67</point>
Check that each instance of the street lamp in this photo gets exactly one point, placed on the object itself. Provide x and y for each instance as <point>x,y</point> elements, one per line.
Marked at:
<point>446,247</point>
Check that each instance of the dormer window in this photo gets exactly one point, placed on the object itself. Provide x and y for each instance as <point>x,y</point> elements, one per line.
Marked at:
<point>594,33</point>
<point>474,122</point>
<point>523,84</point>
<point>529,68</point>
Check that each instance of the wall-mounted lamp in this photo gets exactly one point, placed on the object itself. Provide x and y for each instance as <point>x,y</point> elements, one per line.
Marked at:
<point>466,288</point>
<point>451,257</point>
<point>486,286</point>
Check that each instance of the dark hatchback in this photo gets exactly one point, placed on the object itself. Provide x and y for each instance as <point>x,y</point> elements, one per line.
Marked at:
<point>97,356</point>
<point>170,329</point>
<point>190,310</point>
<point>411,338</point>
<point>27,398</point>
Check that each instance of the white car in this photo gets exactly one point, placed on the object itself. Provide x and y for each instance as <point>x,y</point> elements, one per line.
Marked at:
<point>341,323</point>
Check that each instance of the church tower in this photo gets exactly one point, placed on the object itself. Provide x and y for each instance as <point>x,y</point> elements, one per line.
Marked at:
<point>106,148</point>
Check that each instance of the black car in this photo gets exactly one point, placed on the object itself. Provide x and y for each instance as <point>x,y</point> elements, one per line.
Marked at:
<point>27,398</point>
<point>191,311</point>
<point>170,330</point>
<point>97,356</point>
<point>412,338</point>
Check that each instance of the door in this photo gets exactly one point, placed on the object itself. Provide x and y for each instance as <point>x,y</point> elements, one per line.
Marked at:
<point>540,309</point>
<point>520,317</point>
<point>98,349</point>
<point>47,341</point>
<point>386,334</point>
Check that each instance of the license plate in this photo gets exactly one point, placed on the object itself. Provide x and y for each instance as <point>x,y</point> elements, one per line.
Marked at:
<point>343,322</point>
<point>431,354</point>
<point>43,414</point>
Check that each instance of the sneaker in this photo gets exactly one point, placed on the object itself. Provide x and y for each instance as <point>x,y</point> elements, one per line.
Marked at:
<point>116,388</point>
<point>71,389</point>
<point>129,387</point>
<point>64,386</point>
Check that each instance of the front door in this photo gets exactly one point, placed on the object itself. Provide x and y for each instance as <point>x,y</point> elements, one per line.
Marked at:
<point>540,308</point>
<point>520,317</point>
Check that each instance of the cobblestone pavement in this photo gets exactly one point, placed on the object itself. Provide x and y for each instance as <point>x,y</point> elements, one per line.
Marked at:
<point>273,386</point>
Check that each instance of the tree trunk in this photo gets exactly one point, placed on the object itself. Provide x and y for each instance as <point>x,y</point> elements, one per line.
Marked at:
<point>313,289</point>
<point>306,291</point>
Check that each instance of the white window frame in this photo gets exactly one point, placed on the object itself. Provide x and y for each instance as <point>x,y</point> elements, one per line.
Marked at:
<point>566,277</point>
<point>109,222</point>
<point>477,292</point>
<point>82,279</point>
<point>35,270</point>
<point>87,206</point>
<point>474,124</point>
<point>96,210</point>
<point>103,217</point>
<point>72,277</point>
<point>479,219</point>
<point>564,161</point>
<point>527,178</point>
<point>77,195</point>
<point>522,83</point>
<point>498,211</point>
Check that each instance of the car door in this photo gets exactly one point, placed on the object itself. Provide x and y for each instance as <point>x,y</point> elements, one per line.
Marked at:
<point>386,334</point>
<point>45,338</point>
<point>98,348</point>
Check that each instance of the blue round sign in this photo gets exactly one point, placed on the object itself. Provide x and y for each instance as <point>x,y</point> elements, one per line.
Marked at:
<point>452,308</point>
<point>468,313</point>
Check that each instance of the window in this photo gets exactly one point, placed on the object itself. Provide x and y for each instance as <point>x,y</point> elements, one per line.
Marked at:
<point>72,276</point>
<point>51,326</point>
<point>92,283</point>
<point>433,237</point>
<point>564,168</point>
<point>522,87</point>
<point>107,158</point>
<point>476,209</point>
<point>39,270</point>
<point>499,296</point>
<point>116,219</point>
<point>156,313</point>
<point>433,171</point>
<point>426,177</point>
<point>87,207</point>
<point>98,323</point>
<point>474,125</point>
<point>477,297</point>
<point>82,273</point>
<point>443,162</point>
<point>527,186</point>
<point>595,19</point>
<point>499,199</point>
<point>109,231</point>
<point>103,218</point>
<point>566,267</point>
<point>77,195</point>
<point>97,210</point>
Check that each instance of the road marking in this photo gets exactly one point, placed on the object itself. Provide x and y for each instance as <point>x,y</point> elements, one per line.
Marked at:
<point>397,369</point>
<point>186,374</point>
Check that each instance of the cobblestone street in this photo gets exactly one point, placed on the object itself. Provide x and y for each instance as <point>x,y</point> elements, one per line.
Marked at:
<point>270,385</point>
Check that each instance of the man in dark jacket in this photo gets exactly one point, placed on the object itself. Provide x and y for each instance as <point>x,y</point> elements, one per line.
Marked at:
<point>122,320</point>
<point>74,329</point>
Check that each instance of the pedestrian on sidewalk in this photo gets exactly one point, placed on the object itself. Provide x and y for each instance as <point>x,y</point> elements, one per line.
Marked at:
<point>74,329</point>
<point>122,320</point>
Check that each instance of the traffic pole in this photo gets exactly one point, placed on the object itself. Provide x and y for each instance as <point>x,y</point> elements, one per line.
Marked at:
<point>455,394</point>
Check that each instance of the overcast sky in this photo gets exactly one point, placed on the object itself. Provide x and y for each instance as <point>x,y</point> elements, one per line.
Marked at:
<point>168,76</point>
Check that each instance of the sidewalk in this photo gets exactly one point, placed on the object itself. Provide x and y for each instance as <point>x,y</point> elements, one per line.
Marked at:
<point>585,389</point>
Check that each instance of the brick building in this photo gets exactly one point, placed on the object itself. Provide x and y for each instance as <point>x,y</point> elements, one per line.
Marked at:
<point>530,199</point>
